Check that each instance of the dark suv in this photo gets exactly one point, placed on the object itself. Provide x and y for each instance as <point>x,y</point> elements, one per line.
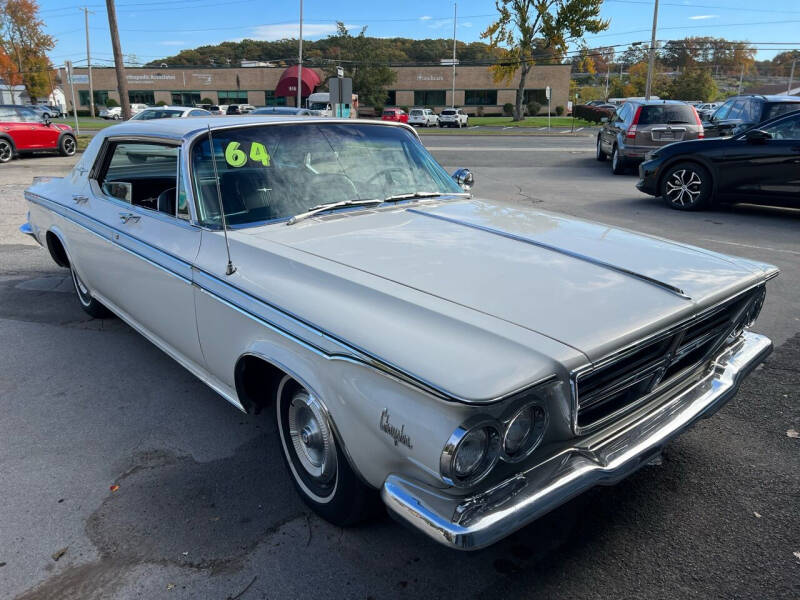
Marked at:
<point>743,112</point>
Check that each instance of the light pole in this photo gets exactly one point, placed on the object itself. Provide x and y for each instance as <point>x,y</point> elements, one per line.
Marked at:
<point>300,60</point>
<point>652,61</point>
<point>86,12</point>
<point>453,98</point>
<point>791,77</point>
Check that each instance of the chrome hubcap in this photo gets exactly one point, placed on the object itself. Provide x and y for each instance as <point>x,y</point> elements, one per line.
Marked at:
<point>5,151</point>
<point>683,187</point>
<point>311,437</point>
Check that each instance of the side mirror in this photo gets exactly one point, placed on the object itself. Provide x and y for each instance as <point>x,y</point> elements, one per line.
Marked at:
<point>604,119</point>
<point>46,121</point>
<point>464,178</point>
<point>757,136</point>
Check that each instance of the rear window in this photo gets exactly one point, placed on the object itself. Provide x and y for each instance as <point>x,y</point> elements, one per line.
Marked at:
<point>388,113</point>
<point>667,114</point>
<point>416,113</point>
<point>776,109</point>
<point>448,112</point>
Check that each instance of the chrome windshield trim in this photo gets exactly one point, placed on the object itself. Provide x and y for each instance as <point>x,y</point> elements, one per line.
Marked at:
<point>584,257</point>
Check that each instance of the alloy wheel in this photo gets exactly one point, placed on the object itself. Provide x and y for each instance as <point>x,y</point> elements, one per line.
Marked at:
<point>683,187</point>
<point>69,146</point>
<point>6,151</point>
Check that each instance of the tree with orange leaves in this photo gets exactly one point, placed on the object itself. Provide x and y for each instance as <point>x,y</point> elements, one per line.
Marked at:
<point>24,43</point>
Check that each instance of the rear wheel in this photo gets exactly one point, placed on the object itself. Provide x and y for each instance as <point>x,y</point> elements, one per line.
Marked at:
<point>686,186</point>
<point>67,146</point>
<point>617,163</point>
<point>6,151</point>
<point>600,155</point>
<point>315,458</point>
<point>88,304</point>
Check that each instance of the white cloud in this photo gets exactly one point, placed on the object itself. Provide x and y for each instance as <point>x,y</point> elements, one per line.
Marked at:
<point>292,31</point>
<point>465,24</point>
<point>438,24</point>
<point>172,43</point>
<point>701,17</point>
<point>425,18</point>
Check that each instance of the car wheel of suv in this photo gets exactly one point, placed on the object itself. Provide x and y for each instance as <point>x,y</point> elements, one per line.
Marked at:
<point>617,163</point>
<point>315,459</point>
<point>67,146</point>
<point>6,151</point>
<point>600,156</point>
<point>686,186</point>
<point>91,306</point>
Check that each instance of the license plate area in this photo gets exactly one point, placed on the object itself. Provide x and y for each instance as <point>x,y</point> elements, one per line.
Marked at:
<point>663,134</point>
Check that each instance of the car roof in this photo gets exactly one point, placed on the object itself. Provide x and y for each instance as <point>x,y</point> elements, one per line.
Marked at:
<point>771,98</point>
<point>173,108</point>
<point>179,129</point>
<point>657,102</point>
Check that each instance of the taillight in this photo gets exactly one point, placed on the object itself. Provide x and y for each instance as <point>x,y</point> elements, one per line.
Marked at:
<point>631,133</point>
<point>701,133</point>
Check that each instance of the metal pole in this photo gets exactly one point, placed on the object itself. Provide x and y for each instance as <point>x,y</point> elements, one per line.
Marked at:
<point>741,76</point>
<point>791,76</point>
<point>455,13</point>
<point>300,61</point>
<point>89,62</point>
<point>68,66</point>
<point>608,73</point>
<point>119,65</point>
<point>652,62</point>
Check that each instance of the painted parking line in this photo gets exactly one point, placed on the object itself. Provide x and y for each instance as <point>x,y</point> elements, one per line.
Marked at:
<point>505,149</point>
<point>579,129</point>
<point>542,128</point>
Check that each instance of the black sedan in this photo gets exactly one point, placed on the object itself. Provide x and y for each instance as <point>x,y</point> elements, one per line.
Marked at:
<point>758,166</point>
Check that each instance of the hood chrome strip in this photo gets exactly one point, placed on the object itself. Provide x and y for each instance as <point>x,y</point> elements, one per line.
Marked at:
<point>512,236</point>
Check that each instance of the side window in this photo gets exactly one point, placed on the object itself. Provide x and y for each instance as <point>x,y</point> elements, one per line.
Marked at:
<point>737,109</point>
<point>9,114</point>
<point>142,174</point>
<point>724,110</point>
<point>197,113</point>
<point>788,129</point>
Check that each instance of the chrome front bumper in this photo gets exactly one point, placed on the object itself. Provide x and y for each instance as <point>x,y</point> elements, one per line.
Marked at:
<point>482,519</point>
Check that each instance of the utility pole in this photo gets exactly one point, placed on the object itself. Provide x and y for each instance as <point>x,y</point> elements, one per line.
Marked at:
<point>119,65</point>
<point>300,60</point>
<point>652,62</point>
<point>68,67</point>
<point>86,12</point>
<point>608,73</point>
<point>455,13</point>
<point>741,76</point>
<point>791,77</point>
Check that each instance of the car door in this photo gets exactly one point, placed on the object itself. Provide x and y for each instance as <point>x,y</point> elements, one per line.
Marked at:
<point>12,125</point>
<point>765,169</point>
<point>146,271</point>
<point>712,127</point>
<point>37,135</point>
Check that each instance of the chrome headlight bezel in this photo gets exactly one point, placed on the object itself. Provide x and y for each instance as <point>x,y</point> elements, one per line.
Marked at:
<point>454,443</point>
<point>535,434</point>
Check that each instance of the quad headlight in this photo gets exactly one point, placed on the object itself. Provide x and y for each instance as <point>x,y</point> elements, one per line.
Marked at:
<point>524,429</point>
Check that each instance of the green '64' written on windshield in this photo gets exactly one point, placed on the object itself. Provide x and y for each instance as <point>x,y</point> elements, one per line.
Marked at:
<point>235,155</point>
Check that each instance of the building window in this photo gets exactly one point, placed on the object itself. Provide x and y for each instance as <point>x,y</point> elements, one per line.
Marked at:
<point>391,97</point>
<point>185,98</point>
<point>100,97</point>
<point>480,97</point>
<point>537,95</point>
<point>141,97</point>
<point>272,100</point>
<point>232,96</point>
<point>430,98</point>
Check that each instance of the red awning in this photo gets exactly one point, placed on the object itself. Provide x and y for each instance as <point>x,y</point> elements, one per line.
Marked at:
<point>287,84</point>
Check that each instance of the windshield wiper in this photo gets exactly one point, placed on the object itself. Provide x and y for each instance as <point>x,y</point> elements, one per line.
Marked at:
<point>320,208</point>
<point>412,195</point>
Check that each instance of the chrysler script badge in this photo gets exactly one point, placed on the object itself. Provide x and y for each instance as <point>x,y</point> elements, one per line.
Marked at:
<point>397,434</point>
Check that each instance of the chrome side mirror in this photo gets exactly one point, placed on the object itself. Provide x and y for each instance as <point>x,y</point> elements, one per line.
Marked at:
<point>464,178</point>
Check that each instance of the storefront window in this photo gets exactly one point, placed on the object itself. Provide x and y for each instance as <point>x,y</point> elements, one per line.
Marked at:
<point>480,97</point>
<point>141,97</point>
<point>430,98</point>
<point>391,98</point>
<point>185,98</point>
<point>536,95</point>
<point>100,97</point>
<point>232,96</point>
<point>272,100</point>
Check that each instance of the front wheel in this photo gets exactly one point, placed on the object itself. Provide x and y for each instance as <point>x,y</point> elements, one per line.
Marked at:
<point>91,306</point>
<point>315,459</point>
<point>600,155</point>
<point>6,151</point>
<point>686,186</point>
<point>67,146</point>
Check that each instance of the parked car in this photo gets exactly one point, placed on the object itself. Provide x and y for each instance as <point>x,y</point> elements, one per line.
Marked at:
<point>761,165</point>
<point>453,117</point>
<point>23,131</point>
<point>423,117</point>
<point>478,364</point>
<point>239,109</point>
<point>639,126</point>
<point>706,109</point>
<point>740,113</point>
<point>394,114</point>
<point>111,112</point>
<point>49,111</point>
<point>169,112</point>
<point>284,110</point>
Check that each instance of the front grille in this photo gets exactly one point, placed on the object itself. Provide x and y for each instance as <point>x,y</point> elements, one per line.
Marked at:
<point>623,382</point>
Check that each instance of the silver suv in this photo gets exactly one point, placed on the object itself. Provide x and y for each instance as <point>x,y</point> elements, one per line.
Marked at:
<point>639,126</point>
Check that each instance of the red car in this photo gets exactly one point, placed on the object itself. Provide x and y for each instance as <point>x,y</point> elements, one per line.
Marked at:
<point>395,114</point>
<point>22,130</point>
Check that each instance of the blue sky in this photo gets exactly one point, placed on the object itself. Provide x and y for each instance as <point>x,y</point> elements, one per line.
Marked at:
<point>155,28</point>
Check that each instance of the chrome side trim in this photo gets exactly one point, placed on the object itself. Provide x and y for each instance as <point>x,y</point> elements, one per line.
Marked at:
<point>526,240</point>
<point>603,459</point>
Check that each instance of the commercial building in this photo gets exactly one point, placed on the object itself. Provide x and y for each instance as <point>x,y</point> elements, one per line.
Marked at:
<point>431,86</point>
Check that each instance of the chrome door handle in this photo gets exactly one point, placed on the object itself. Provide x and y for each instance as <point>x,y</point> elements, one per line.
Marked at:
<point>129,217</point>
<point>79,199</point>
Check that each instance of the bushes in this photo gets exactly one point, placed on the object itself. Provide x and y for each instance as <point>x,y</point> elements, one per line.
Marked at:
<point>206,100</point>
<point>508,109</point>
<point>111,103</point>
<point>534,108</point>
<point>590,113</point>
<point>161,103</point>
<point>559,110</point>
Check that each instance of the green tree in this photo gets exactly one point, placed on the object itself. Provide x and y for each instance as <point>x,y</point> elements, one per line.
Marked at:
<point>365,62</point>
<point>524,27</point>
<point>23,39</point>
<point>694,84</point>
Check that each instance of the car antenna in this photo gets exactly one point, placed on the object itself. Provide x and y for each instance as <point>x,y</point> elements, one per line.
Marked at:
<point>230,269</point>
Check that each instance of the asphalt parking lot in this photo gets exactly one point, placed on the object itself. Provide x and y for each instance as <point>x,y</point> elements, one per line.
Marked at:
<point>205,510</point>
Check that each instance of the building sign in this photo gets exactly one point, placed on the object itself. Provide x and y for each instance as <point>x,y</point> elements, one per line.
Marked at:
<point>148,77</point>
<point>78,79</point>
<point>422,77</point>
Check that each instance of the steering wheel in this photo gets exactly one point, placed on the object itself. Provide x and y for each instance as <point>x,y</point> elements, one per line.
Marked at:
<point>388,177</point>
<point>329,178</point>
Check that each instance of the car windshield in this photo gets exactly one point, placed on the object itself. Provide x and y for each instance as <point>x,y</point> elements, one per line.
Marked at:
<point>776,109</point>
<point>157,114</point>
<point>276,171</point>
<point>667,113</point>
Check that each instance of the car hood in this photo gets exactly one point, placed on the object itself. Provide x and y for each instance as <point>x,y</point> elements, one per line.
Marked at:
<point>586,285</point>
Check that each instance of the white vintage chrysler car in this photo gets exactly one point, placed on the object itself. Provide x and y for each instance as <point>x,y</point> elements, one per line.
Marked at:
<point>477,364</point>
